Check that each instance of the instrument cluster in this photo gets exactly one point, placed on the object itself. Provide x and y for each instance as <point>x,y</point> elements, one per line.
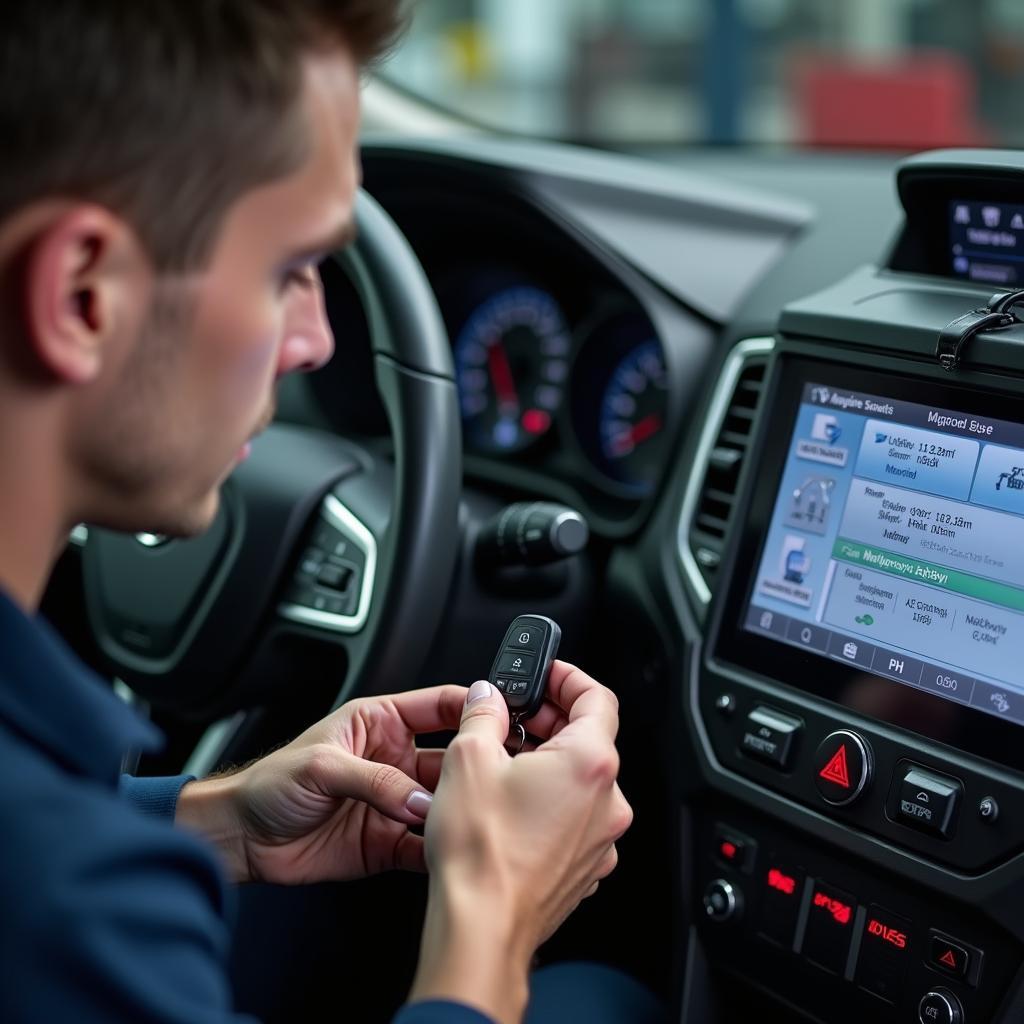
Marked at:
<point>534,376</point>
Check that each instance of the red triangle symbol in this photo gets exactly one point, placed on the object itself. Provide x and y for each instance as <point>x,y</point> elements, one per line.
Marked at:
<point>948,959</point>
<point>836,770</point>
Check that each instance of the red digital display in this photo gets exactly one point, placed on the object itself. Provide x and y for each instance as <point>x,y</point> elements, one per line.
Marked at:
<point>782,882</point>
<point>842,912</point>
<point>891,935</point>
<point>728,850</point>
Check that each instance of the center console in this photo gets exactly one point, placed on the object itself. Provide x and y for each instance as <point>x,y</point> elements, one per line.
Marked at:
<point>860,697</point>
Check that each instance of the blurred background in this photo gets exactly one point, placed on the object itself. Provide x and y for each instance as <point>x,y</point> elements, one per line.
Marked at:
<point>877,74</point>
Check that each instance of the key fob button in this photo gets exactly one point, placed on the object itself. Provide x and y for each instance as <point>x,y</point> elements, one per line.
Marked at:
<point>526,638</point>
<point>516,663</point>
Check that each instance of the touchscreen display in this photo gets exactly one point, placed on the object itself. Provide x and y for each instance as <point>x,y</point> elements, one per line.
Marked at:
<point>987,241</point>
<point>896,545</point>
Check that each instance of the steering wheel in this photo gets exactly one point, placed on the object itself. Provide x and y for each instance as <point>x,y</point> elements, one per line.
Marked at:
<point>315,538</point>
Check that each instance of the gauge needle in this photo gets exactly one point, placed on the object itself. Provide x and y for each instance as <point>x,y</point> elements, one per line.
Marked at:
<point>501,376</point>
<point>644,428</point>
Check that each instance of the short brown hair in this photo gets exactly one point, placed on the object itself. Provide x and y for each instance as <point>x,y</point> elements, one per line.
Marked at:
<point>166,111</point>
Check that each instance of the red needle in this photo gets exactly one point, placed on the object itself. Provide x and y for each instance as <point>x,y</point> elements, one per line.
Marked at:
<point>501,376</point>
<point>645,428</point>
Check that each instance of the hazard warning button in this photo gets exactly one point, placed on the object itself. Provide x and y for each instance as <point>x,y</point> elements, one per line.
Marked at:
<point>842,767</point>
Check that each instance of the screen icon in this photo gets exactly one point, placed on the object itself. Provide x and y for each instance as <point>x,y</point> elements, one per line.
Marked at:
<point>766,620</point>
<point>810,504</point>
<point>962,214</point>
<point>795,563</point>
<point>865,620</point>
<point>850,650</point>
<point>880,438</point>
<point>999,702</point>
<point>991,215</point>
<point>1017,223</point>
<point>1014,480</point>
<point>825,428</point>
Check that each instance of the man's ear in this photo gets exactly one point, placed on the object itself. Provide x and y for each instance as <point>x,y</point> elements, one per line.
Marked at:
<point>81,288</point>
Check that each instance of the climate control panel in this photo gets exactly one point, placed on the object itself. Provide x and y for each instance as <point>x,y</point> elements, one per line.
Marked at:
<point>829,936</point>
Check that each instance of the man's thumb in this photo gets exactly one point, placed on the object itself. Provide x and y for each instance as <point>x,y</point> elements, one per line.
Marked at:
<point>485,712</point>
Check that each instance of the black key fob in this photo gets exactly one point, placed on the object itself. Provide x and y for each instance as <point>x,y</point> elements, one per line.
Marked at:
<point>521,669</point>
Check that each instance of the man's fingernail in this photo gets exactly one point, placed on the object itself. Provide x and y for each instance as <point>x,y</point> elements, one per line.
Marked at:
<point>419,803</point>
<point>478,691</point>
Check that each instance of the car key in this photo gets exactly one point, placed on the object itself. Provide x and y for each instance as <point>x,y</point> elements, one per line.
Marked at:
<point>522,666</point>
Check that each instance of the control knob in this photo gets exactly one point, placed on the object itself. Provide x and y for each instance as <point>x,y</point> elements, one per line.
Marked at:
<point>940,1006</point>
<point>722,901</point>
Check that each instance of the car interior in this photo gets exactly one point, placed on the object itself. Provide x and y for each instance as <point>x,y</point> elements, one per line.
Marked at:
<point>749,426</point>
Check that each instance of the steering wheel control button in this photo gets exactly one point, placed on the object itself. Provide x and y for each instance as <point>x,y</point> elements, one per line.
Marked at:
<point>988,810</point>
<point>928,801</point>
<point>885,953</point>
<point>768,735</point>
<point>780,902</point>
<point>516,663</point>
<point>722,901</point>
<point>829,927</point>
<point>335,576</point>
<point>842,767</point>
<point>954,957</point>
<point>940,1006</point>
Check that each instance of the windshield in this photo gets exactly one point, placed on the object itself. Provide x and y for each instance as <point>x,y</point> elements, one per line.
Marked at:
<point>897,74</point>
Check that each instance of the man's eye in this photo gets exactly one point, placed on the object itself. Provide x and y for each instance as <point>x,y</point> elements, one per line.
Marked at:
<point>302,277</point>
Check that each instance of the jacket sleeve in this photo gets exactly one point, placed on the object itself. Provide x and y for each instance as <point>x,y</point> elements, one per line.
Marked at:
<point>439,1011</point>
<point>154,796</point>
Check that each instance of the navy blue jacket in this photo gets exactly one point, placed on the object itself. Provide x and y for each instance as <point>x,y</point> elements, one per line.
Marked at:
<point>109,913</point>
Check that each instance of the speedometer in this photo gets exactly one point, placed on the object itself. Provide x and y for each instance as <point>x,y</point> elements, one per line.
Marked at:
<point>511,364</point>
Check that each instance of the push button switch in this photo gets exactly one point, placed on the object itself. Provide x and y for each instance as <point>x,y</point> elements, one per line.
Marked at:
<point>928,801</point>
<point>514,663</point>
<point>954,958</point>
<point>829,928</point>
<point>842,767</point>
<point>768,735</point>
<point>884,953</point>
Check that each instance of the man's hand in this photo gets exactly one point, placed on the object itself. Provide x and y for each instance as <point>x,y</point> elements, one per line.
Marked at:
<point>514,844</point>
<point>336,802</point>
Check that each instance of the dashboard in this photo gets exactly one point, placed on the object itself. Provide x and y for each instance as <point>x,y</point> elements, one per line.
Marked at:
<point>806,582</point>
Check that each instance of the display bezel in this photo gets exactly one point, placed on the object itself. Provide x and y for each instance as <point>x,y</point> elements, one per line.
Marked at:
<point>874,696</point>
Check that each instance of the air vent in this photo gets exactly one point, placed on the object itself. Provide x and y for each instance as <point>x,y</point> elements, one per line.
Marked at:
<point>711,493</point>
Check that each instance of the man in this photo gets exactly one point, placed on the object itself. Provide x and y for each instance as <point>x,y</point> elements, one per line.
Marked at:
<point>172,170</point>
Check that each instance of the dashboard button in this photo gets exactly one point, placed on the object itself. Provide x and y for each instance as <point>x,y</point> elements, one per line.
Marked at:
<point>768,735</point>
<point>949,957</point>
<point>884,953</point>
<point>954,957</point>
<point>733,849</point>
<point>928,801</point>
<point>829,927</point>
<point>780,902</point>
<point>988,810</point>
<point>940,1006</point>
<point>842,767</point>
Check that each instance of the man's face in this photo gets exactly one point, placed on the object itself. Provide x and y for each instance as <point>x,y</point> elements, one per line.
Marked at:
<point>175,410</point>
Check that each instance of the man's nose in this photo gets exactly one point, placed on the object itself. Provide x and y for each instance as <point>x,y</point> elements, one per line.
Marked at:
<point>308,339</point>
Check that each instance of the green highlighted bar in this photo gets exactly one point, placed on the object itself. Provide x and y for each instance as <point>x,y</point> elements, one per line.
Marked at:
<point>925,572</point>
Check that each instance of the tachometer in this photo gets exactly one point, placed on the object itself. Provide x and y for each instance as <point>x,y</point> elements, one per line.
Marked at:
<point>511,364</point>
<point>632,416</point>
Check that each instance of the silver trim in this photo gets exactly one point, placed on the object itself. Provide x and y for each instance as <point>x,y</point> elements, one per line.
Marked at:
<point>211,745</point>
<point>720,400</point>
<point>338,515</point>
<point>730,900</point>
